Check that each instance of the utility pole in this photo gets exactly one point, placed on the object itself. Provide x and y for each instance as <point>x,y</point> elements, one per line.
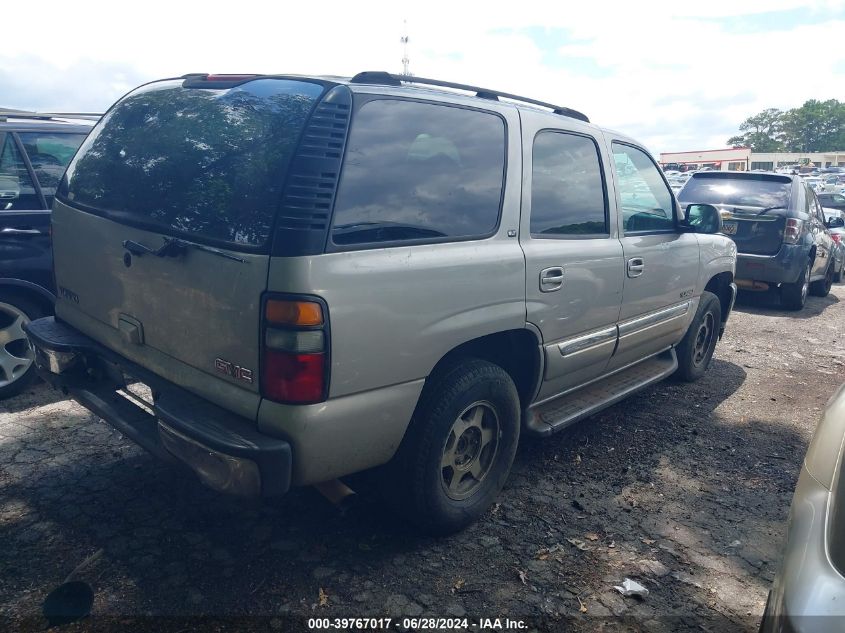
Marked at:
<point>406,63</point>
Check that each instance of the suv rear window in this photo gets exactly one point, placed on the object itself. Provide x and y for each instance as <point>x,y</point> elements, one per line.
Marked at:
<point>206,163</point>
<point>419,171</point>
<point>747,190</point>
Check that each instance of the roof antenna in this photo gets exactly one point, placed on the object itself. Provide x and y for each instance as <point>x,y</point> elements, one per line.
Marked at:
<point>406,63</point>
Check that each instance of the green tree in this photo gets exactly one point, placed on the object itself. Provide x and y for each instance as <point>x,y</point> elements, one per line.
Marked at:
<point>817,126</point>
<point>760,132</point>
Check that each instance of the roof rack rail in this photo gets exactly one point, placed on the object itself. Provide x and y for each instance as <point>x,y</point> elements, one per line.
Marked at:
<point>389,79</point>
<point>26,114</point>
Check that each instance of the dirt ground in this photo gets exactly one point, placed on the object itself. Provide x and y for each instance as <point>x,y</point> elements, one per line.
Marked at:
<point>683,488</point>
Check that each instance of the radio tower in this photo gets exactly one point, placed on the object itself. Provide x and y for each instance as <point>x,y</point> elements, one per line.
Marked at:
<point>406,63</point>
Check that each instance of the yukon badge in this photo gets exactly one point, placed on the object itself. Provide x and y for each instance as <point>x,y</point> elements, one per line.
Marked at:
<point>233,371</point>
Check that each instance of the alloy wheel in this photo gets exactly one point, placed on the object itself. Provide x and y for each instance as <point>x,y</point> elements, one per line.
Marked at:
<point>470,450</point>
<point>805,289</point>
<point>15,355</point>
<point>703,339</point>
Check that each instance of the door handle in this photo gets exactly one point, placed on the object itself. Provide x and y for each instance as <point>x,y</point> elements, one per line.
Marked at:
<point>551,279</point>
<point>636,266</point>
<point>14,231</point>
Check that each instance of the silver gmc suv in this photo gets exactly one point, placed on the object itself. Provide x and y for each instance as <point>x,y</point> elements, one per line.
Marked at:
<point>317,276</point>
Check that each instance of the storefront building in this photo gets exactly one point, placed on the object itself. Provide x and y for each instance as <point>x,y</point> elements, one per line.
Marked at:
<point>743,159</point>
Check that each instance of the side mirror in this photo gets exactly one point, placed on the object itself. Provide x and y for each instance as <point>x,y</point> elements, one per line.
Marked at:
<point>702,218</point>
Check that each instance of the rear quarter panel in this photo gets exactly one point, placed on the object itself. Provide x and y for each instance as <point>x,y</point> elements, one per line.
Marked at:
<point>394,313</point>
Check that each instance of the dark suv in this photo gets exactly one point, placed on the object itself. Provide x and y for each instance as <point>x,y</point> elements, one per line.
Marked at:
<point>34,151</point>
<point>778,226</point>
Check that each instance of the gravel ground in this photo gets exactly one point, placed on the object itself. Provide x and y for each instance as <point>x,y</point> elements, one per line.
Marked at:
<point>684,488</point>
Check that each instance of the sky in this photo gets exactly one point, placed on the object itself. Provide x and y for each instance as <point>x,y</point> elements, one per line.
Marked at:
<point>675,75</point>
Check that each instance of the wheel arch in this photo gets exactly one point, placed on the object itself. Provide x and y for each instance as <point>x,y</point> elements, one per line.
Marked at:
<point>28,290</point>
<point>517,351</point>
<point>720,285</point>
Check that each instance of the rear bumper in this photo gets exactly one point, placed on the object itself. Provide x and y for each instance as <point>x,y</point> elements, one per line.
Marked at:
<point>808,595</point>
<point>785,266</point>
<point>226,451</point>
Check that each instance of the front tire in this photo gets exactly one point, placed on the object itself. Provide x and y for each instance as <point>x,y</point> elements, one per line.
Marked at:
<point>458,450</point>
<point>695,350</point>
<point>794,296</point>
<point>17,369</point>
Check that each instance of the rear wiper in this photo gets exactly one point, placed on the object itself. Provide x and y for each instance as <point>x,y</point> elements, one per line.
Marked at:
<point>767,209</point>
<point>174,247</point>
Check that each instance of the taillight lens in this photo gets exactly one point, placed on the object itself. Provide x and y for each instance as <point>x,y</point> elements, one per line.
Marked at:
<point>295,349</point>
<point>792,232</point>
<point>836,237</point>
<point>294,378</point>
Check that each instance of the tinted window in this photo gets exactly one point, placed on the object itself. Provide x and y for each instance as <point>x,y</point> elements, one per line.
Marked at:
<point>17,192</point>
<point>49,154</point>
<point>749,190</point>
<point>567,192</point>
<point>832,198</point>
<point>202,162</point>
<point>419,171</point>
<point>646,200</point>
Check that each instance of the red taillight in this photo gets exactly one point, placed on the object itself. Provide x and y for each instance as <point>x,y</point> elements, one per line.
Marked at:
<point>295,378</point>
<point>836,237</point>
<point>792,232</point>
<point>295,343</point>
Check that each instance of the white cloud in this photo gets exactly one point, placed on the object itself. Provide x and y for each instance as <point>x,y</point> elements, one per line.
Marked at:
<point>677,77</point>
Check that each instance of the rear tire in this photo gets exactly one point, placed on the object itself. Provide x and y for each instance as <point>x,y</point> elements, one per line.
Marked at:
<point>17,371</point>
<point>822,287</point>
<point>458,450</point>
<point>794,296</point>
<point>695,351</point>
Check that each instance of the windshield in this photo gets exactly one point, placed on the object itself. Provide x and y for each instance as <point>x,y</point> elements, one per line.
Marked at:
<point>205,163</point>
<point>749,190</point>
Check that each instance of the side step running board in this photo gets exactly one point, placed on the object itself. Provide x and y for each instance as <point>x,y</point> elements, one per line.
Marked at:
<point>569,408</point>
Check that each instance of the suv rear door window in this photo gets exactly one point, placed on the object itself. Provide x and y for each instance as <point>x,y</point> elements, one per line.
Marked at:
<point>759,191</point>
<point>646,201</point>
<point>567,189</point>
<point>206,163</point>
<point>419,171</point>
<point>49,153</point>
<point>17,191</point>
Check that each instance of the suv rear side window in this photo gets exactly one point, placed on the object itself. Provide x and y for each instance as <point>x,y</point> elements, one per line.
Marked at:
<point>49,153</point>
<point>206,163</point>
<point>419,171</point>
<point>646,201</point>
<point>17,192</point>
<point>567,190</point>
